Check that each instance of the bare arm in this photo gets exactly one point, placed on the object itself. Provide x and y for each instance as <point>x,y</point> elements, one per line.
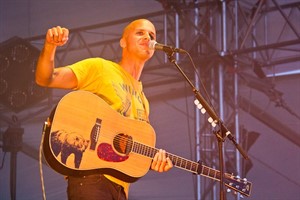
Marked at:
<point>46,73</point>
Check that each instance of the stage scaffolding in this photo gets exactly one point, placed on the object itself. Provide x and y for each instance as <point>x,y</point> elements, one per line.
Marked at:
<point>241,37</point>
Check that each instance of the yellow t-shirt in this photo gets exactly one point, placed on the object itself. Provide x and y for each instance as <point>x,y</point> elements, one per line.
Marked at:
<point>117,87</point>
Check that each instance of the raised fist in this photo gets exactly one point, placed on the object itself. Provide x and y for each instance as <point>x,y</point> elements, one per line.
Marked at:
<point>57,36</point>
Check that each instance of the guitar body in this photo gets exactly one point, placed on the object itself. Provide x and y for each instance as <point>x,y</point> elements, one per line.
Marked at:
<point>87,136</point>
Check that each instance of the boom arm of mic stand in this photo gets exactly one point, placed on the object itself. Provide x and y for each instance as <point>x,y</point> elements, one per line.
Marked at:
<point>208,109</point>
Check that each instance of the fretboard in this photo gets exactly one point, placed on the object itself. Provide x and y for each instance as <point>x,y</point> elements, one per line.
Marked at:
<point>235,183</point>
<point>177,161</point>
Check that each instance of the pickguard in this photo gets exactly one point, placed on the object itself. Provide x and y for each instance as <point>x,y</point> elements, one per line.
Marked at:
<point>106,152</point>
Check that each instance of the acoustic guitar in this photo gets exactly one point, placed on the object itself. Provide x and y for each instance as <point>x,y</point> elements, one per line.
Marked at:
<point>86,136</point>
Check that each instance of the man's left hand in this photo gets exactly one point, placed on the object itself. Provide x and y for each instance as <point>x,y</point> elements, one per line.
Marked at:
<point>161,163</point>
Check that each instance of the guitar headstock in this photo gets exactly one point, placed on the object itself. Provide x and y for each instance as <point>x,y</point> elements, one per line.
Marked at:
<point>237,184</point>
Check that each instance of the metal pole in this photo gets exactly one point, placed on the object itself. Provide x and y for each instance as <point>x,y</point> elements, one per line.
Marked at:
<point>197,115</point>
<point>166,33</point>
<point>236,88</point>
<point>177,33</point>
<point>221,78</point>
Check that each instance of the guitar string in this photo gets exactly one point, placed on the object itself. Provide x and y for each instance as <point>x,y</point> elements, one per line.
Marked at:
<point>151,151</point>
<point>183,163</point>
<point>145,150</point>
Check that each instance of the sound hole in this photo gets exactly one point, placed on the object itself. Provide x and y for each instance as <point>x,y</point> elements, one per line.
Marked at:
<point>123,143</point>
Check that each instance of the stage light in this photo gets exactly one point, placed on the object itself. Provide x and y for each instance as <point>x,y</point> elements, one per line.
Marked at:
<point>18,89</point>
<point>4,63</point>
<point>3,86</point>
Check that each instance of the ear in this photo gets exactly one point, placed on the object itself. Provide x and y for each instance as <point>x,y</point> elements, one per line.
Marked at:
<point>122,43</point>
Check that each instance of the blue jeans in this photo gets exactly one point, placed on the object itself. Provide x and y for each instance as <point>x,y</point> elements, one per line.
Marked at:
<point>94,187</point>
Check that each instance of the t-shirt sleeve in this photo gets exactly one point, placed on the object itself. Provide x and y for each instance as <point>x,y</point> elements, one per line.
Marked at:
<point>87,72</point>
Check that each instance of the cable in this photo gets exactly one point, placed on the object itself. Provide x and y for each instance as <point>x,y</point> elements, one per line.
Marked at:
<point>41,161</point>
<point>201,82</point>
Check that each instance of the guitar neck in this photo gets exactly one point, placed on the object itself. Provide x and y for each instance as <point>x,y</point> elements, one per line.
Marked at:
<point>179,162</point>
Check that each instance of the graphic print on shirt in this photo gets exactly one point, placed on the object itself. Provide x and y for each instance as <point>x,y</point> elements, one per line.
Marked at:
<point>131,101</point>
<point>124,98</point>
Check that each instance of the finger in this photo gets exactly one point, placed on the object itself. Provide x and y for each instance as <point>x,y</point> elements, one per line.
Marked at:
<point>158,161</point>
<point>62,35</point>
<point>169,162</point>
<point>160,155</point>
<point>169,165</point>
<point>59,34</point>
<point>154,162</point>
<point>50,33</point>
<point>163,163</point>
<point>164,157</point>
<point>49,36</point>
<point>55,34</point>
<point>163,160</point>
<point>65,34</point>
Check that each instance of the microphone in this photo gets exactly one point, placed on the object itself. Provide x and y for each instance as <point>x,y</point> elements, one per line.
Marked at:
<point>168,49</point>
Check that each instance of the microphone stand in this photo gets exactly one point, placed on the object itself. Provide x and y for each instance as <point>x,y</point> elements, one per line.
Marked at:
<point>221,134</point>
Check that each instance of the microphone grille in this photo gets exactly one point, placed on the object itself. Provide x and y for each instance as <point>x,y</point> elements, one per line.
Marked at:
<point>151,44</point>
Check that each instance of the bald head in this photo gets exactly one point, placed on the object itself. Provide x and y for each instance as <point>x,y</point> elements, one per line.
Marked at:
<point>135,24</point>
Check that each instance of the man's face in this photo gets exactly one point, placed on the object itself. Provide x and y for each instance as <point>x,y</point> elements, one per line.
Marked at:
<point>137,37</point>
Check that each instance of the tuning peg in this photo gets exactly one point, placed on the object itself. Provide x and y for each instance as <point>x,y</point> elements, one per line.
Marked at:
<point>242,196</point>
<point>212,122</point>
<point>199,106</point>
<point>196,102</point>
<point>228,190</point>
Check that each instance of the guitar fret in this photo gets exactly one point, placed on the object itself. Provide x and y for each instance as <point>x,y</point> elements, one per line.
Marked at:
<point>202,168</point>
<point>146,151</point>
<point>215,174</point>
<point>150,152</point>
<point>180,164</point>
<point>175,161</point>
<point>153,152</point>
<point>143,150</point>
<point>184,163</point>
<point>190,164</point>
<point>195,167</point>
<point>210,172</point>
<point>138,149</point>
